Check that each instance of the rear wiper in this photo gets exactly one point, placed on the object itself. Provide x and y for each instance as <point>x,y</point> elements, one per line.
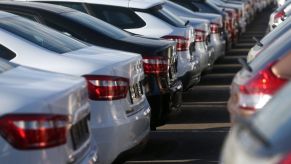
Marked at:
<point>187,22</point>
<point>258,42</point>
<point>253,130</point>
<point>245,65</point>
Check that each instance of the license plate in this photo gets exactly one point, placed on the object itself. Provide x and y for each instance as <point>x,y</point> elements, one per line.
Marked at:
<point>136,91</point>
<point>80,133</point>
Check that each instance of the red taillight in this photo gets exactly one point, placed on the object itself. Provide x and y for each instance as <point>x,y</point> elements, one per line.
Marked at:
<point>34,131</point>
<point>107,87</point>
<point>259,90</point>
<point>155,65</point>
<point>199,35</point>
<point>214,28</point>
<point>286,159</point>
<point>183,43</point>
<point>279,15</point>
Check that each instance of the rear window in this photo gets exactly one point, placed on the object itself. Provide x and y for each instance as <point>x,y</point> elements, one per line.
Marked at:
<point>121,17</point>
<point>204,7</point>
<point>97,24</point>
<point>167,16</point>
<point>40,35</point>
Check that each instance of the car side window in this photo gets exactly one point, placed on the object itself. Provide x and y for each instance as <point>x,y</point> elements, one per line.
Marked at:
<point>7,54</point>
<point>123,18</point>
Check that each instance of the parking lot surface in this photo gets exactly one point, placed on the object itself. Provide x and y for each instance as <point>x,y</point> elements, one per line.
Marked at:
<point>196,133</point>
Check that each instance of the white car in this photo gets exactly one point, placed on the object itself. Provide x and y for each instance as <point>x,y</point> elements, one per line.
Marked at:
<point>44,117</point>
<point>120,111</point>
<point>147,18</point>
<point>263,139</point>
<point>213,21</point>
<point>279,15</point>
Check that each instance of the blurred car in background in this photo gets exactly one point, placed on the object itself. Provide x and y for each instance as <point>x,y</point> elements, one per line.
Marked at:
<point>213,25</point>
<point>202,7</point>
<point>263,138</point>
<point>120,115</point>
<point>258,81</point>
<point>268,39</point>
<point>279,15</point>
<point>44,113</point>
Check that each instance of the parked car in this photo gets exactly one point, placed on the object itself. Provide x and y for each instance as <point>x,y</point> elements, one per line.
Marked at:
<point>148,18</point>
<point>258,81</point>
<point>45,117</point>
<point>263,138</point>
<point>268,39</point>
<point>120,111</point>
<point>214,23</point>
<point>159,56</point>
<point>202,7</point>
<point>279,15</point>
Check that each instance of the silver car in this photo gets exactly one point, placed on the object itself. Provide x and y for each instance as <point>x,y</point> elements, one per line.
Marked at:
<point>279,15</point>
<point>269,39</point>
<point>215,39</point>
<point>264,139</point>
<point>44,117</point>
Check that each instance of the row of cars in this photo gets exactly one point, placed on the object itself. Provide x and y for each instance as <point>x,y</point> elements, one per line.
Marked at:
<point>260,99</point>
<point>84,81</point>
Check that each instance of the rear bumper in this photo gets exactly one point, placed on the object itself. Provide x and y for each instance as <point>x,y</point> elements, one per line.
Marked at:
<point>218,44</point>
<point>116,132</point>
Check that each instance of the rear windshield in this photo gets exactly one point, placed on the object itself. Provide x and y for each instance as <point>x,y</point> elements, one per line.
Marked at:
<point>167,16</point>
<point>40,35</point>
<point>97,25</point>
<point>5,65</point>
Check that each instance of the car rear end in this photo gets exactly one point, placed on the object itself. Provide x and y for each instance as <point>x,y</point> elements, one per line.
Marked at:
<point>45,119</point>
<point>188,64</point>
<point>123,123</point>
<point>256,84</point>
<point>261,139</point>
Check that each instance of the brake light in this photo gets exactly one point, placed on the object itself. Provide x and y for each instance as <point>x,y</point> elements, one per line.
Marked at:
<point>183,43</point>
<point>34,131</point>
<point>107,87</point>
<point>155,65</point>
<point>286,159</point>
<point>199,35</point>
<point>279,15</point>
<point>260,89</point>
<point>214,28</point>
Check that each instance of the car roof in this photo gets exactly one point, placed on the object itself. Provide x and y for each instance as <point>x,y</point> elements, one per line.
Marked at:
<point>4,14</point>
<point>42,6</point>
<point>139,4</point>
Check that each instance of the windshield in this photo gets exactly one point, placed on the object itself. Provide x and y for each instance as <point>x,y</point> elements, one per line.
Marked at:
<point>5,65</point>
<point>40,35</point>
<point>97,25</point>
<point>275,120</point>
<point>167,16</point>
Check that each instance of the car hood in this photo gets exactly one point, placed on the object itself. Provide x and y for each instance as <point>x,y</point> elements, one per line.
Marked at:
<point>147,46</point>
<point>112,62</point>
<point>26,90</point>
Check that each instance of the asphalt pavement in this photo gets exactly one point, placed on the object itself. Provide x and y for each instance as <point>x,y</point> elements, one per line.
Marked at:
<point>195,134</point>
